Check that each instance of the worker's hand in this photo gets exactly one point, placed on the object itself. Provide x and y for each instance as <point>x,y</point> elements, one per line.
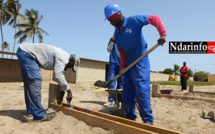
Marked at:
<point>69,96</point>
<point>121,72</point>
<point>59,98</point>
<point>110,46</point>
<point>113,38</point>
<point>162,40</point>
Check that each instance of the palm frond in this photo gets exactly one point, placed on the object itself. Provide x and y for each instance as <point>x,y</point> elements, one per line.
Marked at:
<point>30,34</point>
<point>21,32</point>
<point>21,25</point>
<point>6,13</point>
<point>22,19</point>
<point>30,26</point>
<point>39,35</point>
<point>13,8</point>
<point>23,38</point>
<point>41,17</point>
<point>43,31</point>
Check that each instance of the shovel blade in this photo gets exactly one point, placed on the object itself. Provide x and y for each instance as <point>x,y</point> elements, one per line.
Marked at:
<point>103,84</point>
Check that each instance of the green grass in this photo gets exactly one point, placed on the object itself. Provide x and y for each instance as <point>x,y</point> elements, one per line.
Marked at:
<point>178,83</point>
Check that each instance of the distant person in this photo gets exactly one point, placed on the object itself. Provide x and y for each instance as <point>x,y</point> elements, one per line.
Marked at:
<point>184,71</point>
<point>31,57</point>
<point>114,69</point>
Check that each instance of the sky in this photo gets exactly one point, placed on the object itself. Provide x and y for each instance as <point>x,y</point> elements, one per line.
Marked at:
<point>79,26</point>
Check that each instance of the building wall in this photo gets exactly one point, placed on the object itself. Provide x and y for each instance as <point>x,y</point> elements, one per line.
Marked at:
<point>90,71</point>
<point>10,70</point>
<point>159,77</point>
<point>70,76</point>
<point>163,77</point>
<point>211,77</point>
<point>46,74</point>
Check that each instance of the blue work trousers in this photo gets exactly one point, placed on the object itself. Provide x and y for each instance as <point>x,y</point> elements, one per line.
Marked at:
<point>112,72</point>
<point>137,84</point>
<point>32,84</point>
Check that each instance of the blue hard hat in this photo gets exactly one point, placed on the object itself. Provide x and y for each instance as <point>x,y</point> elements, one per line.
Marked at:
<point>111,9</point>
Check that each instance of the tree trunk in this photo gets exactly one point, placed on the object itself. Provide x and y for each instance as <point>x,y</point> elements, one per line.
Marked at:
<point>15,27</point>
<point>2,35</point>
<point>33,38</point>
<point>14,42</point>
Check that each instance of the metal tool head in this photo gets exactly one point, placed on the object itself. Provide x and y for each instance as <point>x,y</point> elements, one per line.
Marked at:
<point>103,84</point>
<point>72,106</point>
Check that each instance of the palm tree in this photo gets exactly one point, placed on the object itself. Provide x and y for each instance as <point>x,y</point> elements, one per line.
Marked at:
<point>5,16</point>
<point>29,26</point>
<point>6,46</point>
<point>14,7</point>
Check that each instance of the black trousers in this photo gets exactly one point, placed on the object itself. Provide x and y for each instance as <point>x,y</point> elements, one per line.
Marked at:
<point>183,83</point>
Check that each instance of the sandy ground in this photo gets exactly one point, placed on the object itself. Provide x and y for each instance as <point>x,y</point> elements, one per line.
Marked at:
<point>179,115</point>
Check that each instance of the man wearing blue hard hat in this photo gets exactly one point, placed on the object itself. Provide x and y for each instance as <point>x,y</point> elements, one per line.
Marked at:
<point>132,45</point>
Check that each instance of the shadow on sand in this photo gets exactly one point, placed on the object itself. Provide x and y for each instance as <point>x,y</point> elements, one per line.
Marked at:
<point>16,114</point>
<point>95,102</point>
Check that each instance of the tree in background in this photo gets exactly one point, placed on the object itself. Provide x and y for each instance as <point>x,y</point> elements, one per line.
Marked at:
<point>5,16</point>
<point>14,7</point>
<point>6,46</point>
<point>200,76</point>
<point>168,71</point>
<point>176,69</point>
<point>190,73</point>
<point>30,26</point>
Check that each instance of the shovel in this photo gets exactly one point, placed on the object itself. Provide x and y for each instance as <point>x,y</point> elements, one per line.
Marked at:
<point>105,84</point>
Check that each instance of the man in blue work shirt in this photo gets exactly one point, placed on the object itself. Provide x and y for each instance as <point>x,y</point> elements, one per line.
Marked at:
<point>114,69</point>
<point>132,45</point>
<point>31,56</point>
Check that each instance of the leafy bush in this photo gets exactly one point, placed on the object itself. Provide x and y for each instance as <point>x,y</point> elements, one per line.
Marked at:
<point>200,76</point>
<point>178,83</point>
<point>176,69</point>
<point>168,71</point>
<point>190,73</point>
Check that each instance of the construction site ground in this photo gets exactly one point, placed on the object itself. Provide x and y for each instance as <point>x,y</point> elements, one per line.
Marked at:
<point>174,114</point>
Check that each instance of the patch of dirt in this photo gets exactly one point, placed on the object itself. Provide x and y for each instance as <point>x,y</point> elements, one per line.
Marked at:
<point>179,115</point>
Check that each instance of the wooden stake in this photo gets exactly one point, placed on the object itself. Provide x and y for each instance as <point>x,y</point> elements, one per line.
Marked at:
<point>53,92</point>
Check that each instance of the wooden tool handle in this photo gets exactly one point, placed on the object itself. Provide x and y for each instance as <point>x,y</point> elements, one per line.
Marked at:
<point>133,63</point>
